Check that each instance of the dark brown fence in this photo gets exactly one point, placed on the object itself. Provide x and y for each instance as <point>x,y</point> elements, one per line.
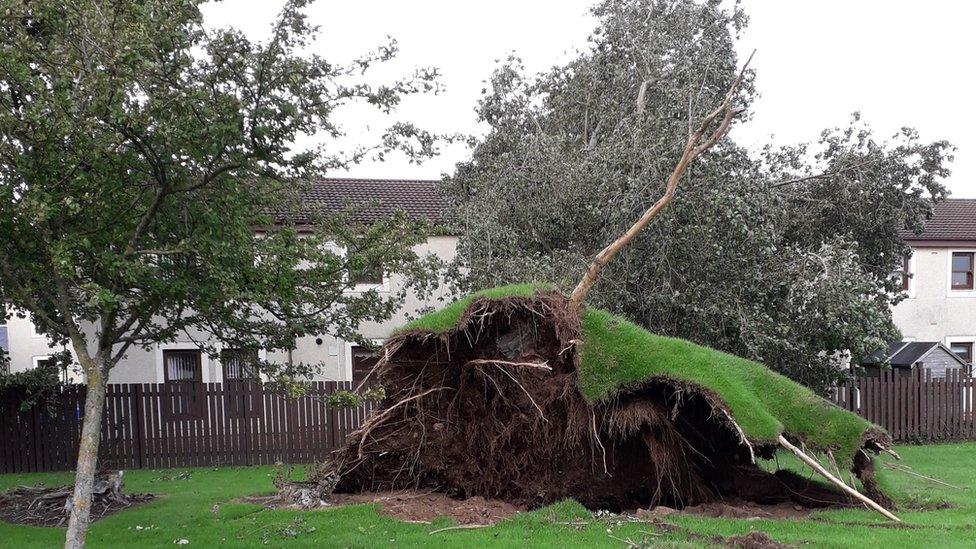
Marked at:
<point>913,406</point>
<point>204,424</point>
<point>178,425</point>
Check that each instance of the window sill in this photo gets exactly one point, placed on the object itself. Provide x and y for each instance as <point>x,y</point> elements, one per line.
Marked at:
<point>382,288</point>
<point>961,293</point>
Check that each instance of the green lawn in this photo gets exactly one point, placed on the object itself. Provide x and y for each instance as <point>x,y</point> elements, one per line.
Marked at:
<point>187,510</point>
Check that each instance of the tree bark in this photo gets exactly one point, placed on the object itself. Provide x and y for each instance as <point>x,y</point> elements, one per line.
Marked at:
<point>78,521</point>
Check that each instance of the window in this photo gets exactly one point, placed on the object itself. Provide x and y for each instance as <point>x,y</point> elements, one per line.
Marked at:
<point>239,364</point>
<point>48,361</point>
<point>367,274</point>
<point>905,272</point>
<point>962,270</point>
<point>182,365</point>
<point>33,328</point>
<point>183,396</point>
<point>371,274</point>
<point>964,350</point>
<point>363,360</point>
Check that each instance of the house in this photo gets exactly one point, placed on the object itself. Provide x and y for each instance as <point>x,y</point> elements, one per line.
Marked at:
<point>938,279</point>
<point>904,356</point>
<point>370,200</point>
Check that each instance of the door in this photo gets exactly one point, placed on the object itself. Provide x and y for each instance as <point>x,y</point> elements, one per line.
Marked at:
<point>363,360</point>
<point>183,373</point>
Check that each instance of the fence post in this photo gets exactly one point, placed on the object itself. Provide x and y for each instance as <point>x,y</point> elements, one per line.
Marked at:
<point>137,430</point>
<point>245,402</point>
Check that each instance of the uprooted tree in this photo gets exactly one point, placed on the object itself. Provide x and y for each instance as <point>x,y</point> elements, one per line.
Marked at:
<point>523,393</point>
<point>783,255</point>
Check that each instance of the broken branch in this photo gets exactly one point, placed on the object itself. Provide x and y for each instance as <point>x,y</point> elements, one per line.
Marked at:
<point>815,465</point>
<point>700,141</point>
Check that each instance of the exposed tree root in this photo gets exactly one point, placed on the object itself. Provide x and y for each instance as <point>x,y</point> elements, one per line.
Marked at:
<point>45,506</point>
<point>492,409</point>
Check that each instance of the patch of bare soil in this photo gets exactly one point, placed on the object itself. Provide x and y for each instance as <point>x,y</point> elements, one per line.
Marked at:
<point>413,506</point>
<point>736,509</point>
<point>43,506</point>
<point>754,540</point>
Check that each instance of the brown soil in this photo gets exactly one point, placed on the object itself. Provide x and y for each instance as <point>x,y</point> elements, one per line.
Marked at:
<point>754,540</point>
<point>736,509</point>
<point>27,505</point>
<point>412,506</point>
<point>493,409</point>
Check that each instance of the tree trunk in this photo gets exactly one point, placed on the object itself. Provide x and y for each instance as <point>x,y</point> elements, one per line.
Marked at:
<point>78,520</point>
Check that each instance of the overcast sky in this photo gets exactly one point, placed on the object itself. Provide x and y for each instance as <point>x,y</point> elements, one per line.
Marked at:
<point>898,62</point>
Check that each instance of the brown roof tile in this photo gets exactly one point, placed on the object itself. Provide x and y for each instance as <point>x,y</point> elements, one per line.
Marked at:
<point>369,200</point>
<point>952,219</point>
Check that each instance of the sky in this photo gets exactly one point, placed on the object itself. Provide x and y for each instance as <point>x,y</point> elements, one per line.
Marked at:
<point>900,63</point>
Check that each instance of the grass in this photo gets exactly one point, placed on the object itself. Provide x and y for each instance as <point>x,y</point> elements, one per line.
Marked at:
<point>442,320</point>
<point>200,507</point>
<point>616,353</point>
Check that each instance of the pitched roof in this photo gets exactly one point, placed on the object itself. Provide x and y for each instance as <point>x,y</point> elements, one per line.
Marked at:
<point>904,354</point>
<point>952,219</point>
<point>369,200</point>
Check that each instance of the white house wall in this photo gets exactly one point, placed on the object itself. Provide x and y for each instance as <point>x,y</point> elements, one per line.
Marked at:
<point>145,366</point>
<point>25,344</point>
<point>934,312</point>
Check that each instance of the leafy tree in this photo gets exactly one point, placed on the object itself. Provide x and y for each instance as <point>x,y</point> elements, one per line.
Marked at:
<point>784,256</point>
<point>139,153</point>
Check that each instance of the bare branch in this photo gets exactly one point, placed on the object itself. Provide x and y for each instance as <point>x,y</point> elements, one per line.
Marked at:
<point>823,175</point>
<point>696,145</point>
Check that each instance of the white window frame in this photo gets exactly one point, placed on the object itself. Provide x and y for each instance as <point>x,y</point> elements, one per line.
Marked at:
<point>958,293</point>
<point>72,372</point>
<point>384,286</point>
<point>949,340</point>
<point>910,292</point>
<point>183,346</point>
<point>347,357</point>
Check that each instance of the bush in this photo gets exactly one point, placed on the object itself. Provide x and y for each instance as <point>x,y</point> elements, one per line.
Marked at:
<point>36,384</point>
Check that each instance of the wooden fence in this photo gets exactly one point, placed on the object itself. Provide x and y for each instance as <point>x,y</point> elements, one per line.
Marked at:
<point>205,424</point>
<point>914,406</point>
<point>178,425</point>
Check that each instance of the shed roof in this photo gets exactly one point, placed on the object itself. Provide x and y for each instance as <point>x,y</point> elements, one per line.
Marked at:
<point>904,354</point>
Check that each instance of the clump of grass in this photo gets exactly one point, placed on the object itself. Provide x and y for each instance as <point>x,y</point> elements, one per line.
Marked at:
<point>617,353</point>
<point>448,317</point>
